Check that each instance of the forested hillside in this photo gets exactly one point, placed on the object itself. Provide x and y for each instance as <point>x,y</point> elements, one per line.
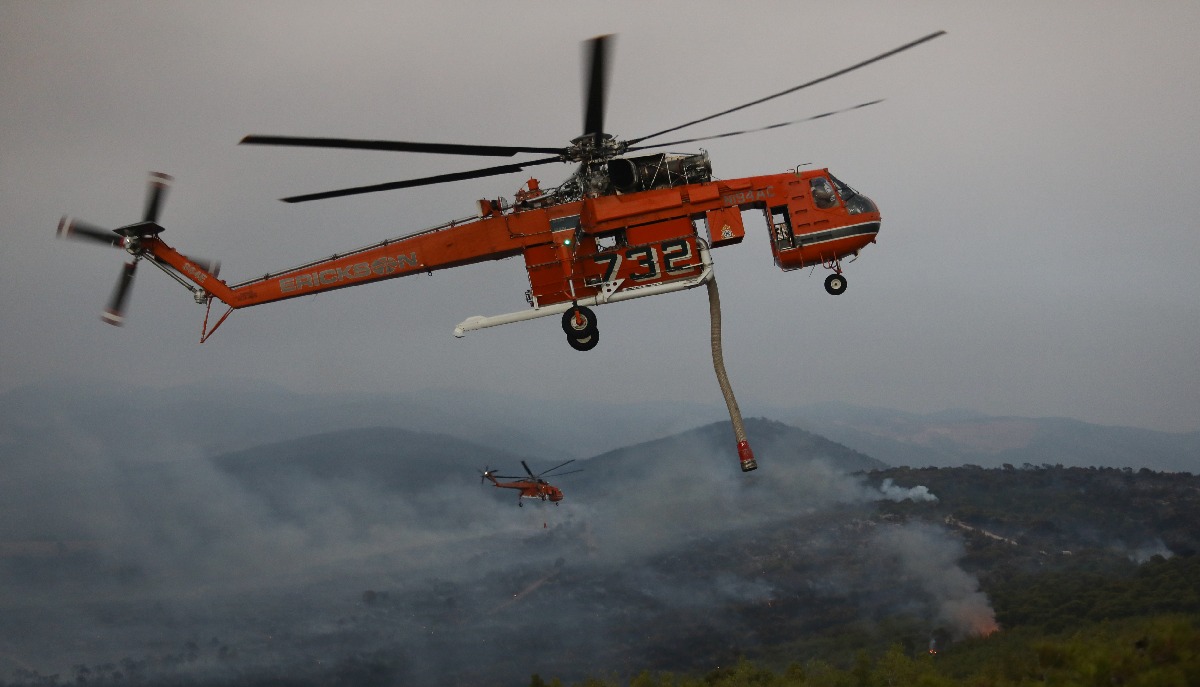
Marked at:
<point>1050,509</point>
<point>376,556</point>
<point>1093,575</point>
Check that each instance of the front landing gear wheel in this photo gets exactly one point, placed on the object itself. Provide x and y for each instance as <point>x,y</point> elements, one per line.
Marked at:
<point>578,321</point>
<point>584,341</point>
<point>835,284</point>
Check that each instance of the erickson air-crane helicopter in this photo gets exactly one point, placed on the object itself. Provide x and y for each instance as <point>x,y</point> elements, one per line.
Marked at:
<point>622,226</point>
<point>533,487</point>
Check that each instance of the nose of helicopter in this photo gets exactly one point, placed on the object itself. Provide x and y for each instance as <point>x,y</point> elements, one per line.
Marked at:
<point>859,204</point>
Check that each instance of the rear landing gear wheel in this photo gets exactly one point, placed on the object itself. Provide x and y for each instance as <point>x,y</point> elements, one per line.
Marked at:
<point>584,341</point>
<point>835,284</point>
<point>578,320</point>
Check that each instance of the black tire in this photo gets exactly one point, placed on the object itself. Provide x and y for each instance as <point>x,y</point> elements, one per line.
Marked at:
<point>584,341</point>
<point>835,284</point>
<point>573,328</point>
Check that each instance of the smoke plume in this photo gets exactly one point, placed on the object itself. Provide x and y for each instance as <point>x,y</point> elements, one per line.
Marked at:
<point>926,555</point>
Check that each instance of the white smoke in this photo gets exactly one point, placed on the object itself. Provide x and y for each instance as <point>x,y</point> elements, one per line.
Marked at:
<point>892,492</point>
<point>1147,551</point>
<point>928,555</point>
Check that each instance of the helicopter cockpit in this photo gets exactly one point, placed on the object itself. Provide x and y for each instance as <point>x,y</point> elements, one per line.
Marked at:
<point>833,222</point>
<point>856,203</point>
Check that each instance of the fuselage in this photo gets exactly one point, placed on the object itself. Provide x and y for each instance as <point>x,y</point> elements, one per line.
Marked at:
<point>532,489</point>
<point>593,247</point>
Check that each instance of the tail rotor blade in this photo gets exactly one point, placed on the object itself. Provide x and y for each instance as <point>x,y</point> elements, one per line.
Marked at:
<point>159,183</point>
<point>115,314</point>
<point>71,228</point>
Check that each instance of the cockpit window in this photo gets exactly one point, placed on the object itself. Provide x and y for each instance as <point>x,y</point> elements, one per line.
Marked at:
<point>822,193</point>
<point>855,202</point>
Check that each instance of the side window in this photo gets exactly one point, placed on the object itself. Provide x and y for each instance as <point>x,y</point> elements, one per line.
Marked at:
<point>822,193</point>
<point>781,226</point>
<point>606,242</point>
<point>568,222</point>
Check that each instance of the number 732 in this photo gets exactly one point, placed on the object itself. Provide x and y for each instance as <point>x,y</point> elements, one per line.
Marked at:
<point>650,262</point>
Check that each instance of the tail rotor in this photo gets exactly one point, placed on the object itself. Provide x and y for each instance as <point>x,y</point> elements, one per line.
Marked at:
<point>129,238</point>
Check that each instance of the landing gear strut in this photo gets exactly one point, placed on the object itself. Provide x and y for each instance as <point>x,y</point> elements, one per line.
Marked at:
<point>579,324</point>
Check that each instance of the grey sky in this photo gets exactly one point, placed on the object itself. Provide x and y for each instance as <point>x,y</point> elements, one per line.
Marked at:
<point>1035,170</point>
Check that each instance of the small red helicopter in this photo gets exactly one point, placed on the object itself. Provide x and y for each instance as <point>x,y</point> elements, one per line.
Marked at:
<point>532,487</point>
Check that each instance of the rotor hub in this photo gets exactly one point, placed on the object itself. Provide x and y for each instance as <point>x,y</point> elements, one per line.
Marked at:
<point>587,148</point>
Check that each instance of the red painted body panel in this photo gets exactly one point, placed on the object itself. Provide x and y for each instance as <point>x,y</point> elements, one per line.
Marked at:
<point>638,239</point>
<point>532,489</point>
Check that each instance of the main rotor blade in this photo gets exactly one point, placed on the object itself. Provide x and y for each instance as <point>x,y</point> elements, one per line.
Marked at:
<point>528,470</point>
<point>423,181</point>
<point>750,131</point>
<point>396,146</point>
<point>71,228</point>
<point>793,89</point>
<point>115,313</point>
<point>563,474</point>
<point>547,472</point>
<point>597,86</point>
<point>159,183</point>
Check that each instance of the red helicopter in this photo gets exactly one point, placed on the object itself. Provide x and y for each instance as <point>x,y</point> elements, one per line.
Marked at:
<point>533,487</point>
<point>622,226</point>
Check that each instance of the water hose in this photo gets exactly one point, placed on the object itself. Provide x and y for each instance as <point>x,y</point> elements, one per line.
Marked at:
<point>745,454</point>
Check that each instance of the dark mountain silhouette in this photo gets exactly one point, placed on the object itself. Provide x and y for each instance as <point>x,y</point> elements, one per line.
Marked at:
<point>229,415</point>
<point>395,459</point>
<point>661,463</point>
<point>408,463</point>
<point>226,415</point>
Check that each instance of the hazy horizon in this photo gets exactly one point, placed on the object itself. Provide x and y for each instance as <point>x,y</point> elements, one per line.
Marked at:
<point>1024,169</point>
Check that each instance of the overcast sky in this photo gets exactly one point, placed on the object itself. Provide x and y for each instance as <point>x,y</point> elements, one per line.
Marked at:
<point>1035,168</point>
